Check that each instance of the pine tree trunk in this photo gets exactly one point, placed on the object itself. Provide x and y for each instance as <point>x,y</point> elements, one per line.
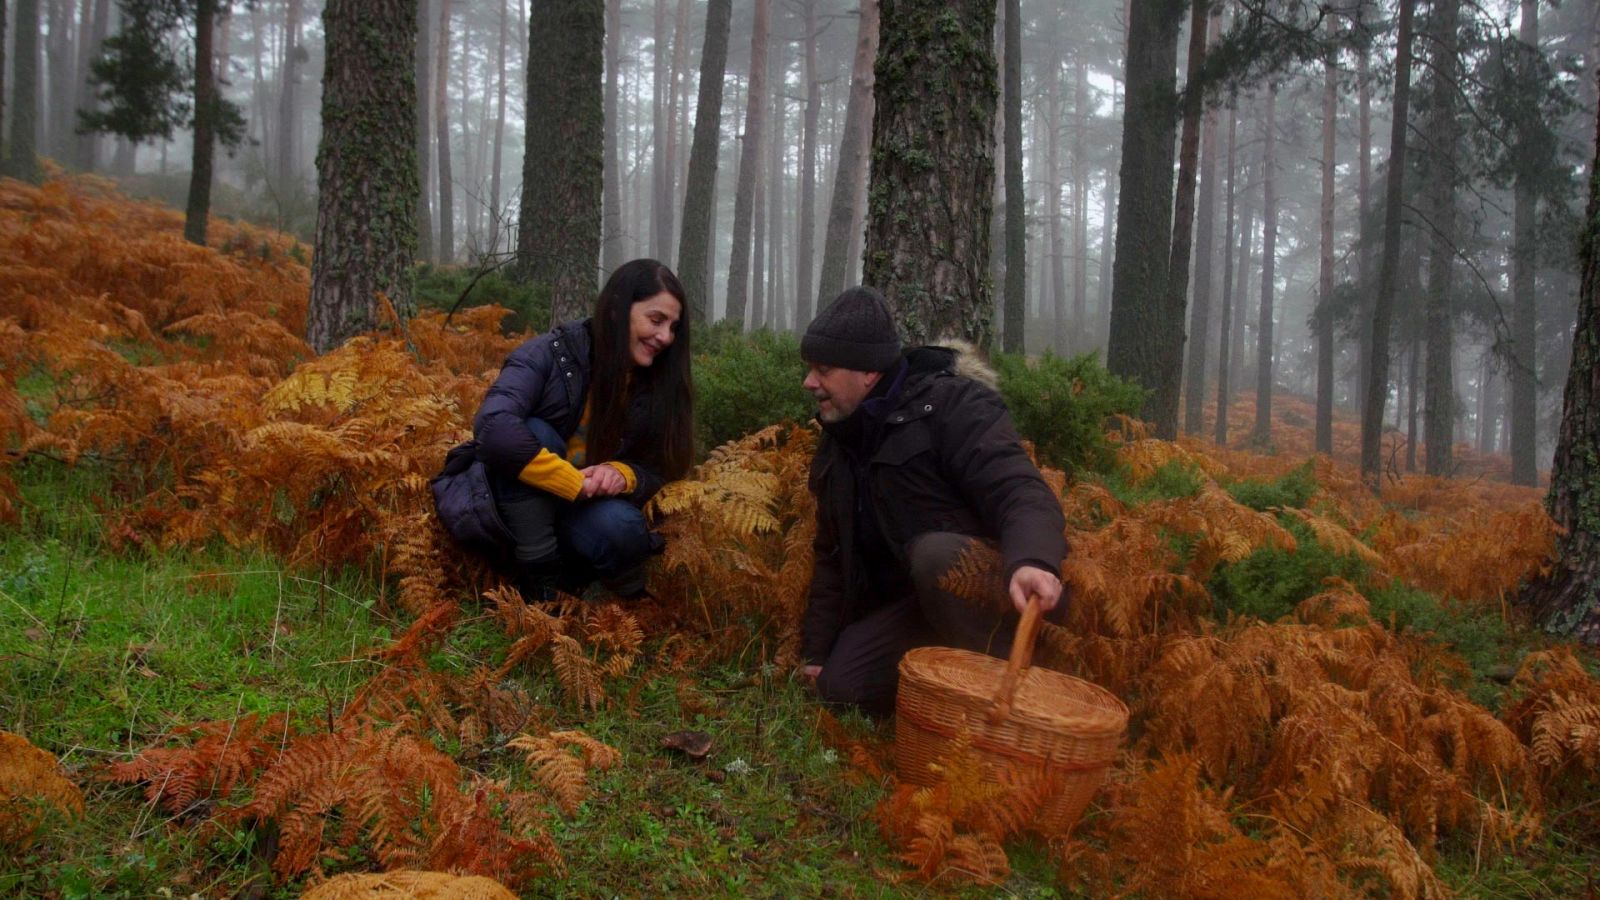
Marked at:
<point>611,253</point>
<point>4,107</point>
<point>1108,218</point>
<point>22,151</point>
<point>1140,326</point>
<point>1241,303</point>
<point>694,243</point>
<point>57,53</point>
<point>1389,264</point>
<point>1524,308</point>
<point>441,132</point>
<point>774,211</point>
<point>1015,199</point>
<point>94,33</point>
<point>749,166</point>
<point>1323,320</point>
<point>933,167</point>
<point>197,211</point>
<point>760,314</point>
<point>424,137</point>
<point>1205,251</point>
<point>1169,380</point>
<point>850,166</point>
<point>1225,327</point>
<point>1567,600</point>
<point>1488,405</point>
<point>495,212</point>
<point>661,94</point>
<point>1368,272</point>
<point>558,234</point>
<point>1440,402</point>
<point>805,243</point>
<point>288,101</point>
<point>1052,209</point>
<point>1262,433</point>
<point>367,185</point>
<point>1080,214</point>
<point>1413,378</point>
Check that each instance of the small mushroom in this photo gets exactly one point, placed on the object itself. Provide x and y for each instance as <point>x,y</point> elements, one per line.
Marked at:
<point>693,744</point>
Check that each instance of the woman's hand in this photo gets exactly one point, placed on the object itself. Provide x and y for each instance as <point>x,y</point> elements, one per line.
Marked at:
<point>602,481</point>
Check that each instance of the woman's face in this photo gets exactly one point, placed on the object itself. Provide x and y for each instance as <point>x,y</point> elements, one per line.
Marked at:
<point>650,327</point>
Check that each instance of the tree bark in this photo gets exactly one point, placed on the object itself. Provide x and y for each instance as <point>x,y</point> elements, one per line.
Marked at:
<point>1015,199</point>
<point>22,152</point>
<point>1567,600</point>
<point>499,134</point>
<point>1367,270</point>
<point>1389,264</point>
<point>1141,329</point>
<point>424,138</point>
<point>1108,218</point>
<point>367,186</point>
<point>611,252</point>
<point>760,298</point>
<point>446,250</point>
<point>1440,402</point>
<point>694,243</point>
<point>1053,207</point>
<point>288,100</point>
<point>93,35</point>
<point>1262,433</point>
<point>558,234</point>
<point>1204,253</point>
<point>933,167</point>
<point>805,253</point>
<point>661,94</point>
<point>197,211</point>
<point>1524,308</point>
<point>749,166</point>
<point>1080,213</point>
<point>1170,369</point>
<point>4,108</point>
<point>851,164</point>
<point>774,212</point>
<point>1225,327</point>
<point>1324,318</point>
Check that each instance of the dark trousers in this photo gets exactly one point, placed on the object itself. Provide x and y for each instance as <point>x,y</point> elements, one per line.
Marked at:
<point>567,544</point>
<point>863,667</point>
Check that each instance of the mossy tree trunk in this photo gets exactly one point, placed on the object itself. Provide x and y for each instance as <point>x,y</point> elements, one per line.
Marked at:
<point>367,184</point>
<point>1568,599</point>
<point>558,234</point>
<point>933,167</point>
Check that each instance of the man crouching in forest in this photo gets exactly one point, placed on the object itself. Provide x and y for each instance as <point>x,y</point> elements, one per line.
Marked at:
<point>918,460</point>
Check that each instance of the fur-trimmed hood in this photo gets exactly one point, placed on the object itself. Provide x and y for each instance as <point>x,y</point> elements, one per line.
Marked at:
<point>958,356</point>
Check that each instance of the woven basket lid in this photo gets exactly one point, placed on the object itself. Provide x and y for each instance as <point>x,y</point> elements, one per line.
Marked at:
<point>1045,698</point>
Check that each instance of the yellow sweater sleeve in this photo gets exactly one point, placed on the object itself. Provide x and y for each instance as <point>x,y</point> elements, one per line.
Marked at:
<point>549,472</point>
<point>628,476</point>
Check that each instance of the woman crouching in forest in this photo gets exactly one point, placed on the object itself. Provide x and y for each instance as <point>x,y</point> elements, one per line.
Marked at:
<point>582,426</point>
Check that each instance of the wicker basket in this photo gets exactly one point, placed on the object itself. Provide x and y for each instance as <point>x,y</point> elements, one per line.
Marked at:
<point>1013,717</point>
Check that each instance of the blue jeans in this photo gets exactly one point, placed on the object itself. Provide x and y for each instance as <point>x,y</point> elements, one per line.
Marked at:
<point>567,544</point>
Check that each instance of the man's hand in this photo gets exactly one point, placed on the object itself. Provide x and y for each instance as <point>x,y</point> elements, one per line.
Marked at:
<point>1034,580</point>
<point>810,674</point>
<point>602,481</point>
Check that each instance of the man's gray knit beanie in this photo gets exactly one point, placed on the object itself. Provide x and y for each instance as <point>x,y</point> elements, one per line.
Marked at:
<point>856,331</point>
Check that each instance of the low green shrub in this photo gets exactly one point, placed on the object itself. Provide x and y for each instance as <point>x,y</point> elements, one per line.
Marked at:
<point>439,287</point>
<point>1293,489</point>
<point>744,382</point>
<point>1061,404</point>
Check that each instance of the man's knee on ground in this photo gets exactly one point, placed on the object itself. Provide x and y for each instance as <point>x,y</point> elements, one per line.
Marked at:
<point>932,555</point>
<point>849,691</point>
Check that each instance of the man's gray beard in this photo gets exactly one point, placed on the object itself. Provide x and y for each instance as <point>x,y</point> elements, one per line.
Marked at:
<point>832,416</point>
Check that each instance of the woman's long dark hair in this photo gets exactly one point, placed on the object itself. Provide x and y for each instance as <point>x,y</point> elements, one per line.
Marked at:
<point>669,442</point>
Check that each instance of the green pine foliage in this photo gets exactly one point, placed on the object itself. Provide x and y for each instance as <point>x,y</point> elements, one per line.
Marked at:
<point>1062,404</point>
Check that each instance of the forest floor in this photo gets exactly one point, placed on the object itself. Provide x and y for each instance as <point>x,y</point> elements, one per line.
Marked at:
<point>225,611</point>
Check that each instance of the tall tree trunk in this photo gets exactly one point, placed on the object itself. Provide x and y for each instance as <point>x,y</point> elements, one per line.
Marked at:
<point>1440,403</point>
<point>22,152</point>
<point>1323,320</point>
<point>57,55</point>
<point>1015,200</point>
<point>805,243</point>
<point>677,98</point>
<point>441,128</point>
<point>4,107</point>
<point>1488,404</point>
<point>1052,207</point>
<point>772,147</point>
<point>1413,378</point>
<point>1567,600</point>
<point>558,234</point>
<point>1108,218</point>
<point>1389,264</point>
<point>661,95</point>
<point>694,244</point>
<point>1225,327</point>
<point>1368,272</point>
<point>1204,253</point>
<point>1169,379</point>
<point>611,253</point>
<point>289,102</point>
<point>1080,214</point>
<point>94,34</point>
<point>424,137</point>
<point>499,133</point>
<point>1140,326</point>
<point>1241,302</point>
<point>367,184</point>
<point>774,210</point>
<point>933,167</point>
<point>851,165</point>
<point>197,211</point>
<point>1269,257</point>
<point>749,166</point>
<point>1524,309</point>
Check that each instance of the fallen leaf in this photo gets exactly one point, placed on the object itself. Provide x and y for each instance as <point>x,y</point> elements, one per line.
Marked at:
<point>693,744</point>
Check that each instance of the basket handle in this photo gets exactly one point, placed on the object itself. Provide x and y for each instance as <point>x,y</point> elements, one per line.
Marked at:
<point>1021,657</point>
